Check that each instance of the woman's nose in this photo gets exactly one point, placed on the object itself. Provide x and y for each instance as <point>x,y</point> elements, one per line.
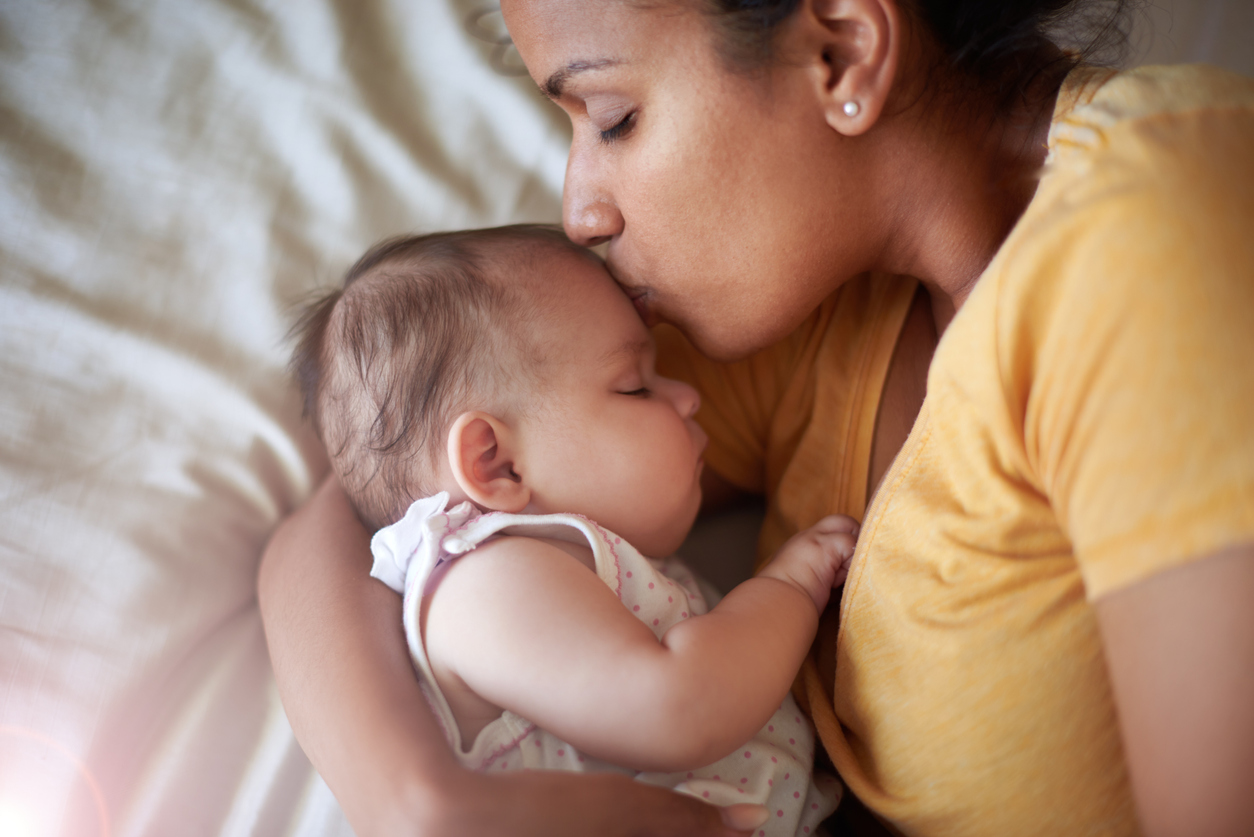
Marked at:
<point>588,213</point>
<point>591,223</point>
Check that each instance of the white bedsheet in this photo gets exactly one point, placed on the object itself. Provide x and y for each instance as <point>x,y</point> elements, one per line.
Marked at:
<point>174,175</point>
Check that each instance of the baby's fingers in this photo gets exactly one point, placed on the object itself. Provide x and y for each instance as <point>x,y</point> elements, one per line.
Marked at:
<point>840,546</point>
<point>837,523</point>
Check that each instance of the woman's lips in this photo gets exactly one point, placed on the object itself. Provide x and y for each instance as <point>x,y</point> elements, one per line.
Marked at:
<point>640,298</point>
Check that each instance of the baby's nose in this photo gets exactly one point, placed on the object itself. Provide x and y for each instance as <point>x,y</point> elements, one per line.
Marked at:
<point>687,399</point>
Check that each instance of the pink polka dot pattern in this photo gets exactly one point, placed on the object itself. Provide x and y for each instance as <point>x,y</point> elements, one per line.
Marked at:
<point>661,594</point>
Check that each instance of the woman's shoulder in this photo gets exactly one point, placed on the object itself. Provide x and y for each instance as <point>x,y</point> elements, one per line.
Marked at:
<point>1164,130</point>
<point>1139,227</point>
<point>1150,174</point>
<point>1094,101</point>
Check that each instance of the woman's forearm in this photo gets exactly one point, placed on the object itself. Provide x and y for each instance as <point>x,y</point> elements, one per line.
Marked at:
<point>1180,650</point>
<point>343,670</point>
<point>344,675</point>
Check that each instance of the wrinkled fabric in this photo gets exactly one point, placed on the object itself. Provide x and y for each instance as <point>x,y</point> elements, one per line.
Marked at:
<point>175,176</point>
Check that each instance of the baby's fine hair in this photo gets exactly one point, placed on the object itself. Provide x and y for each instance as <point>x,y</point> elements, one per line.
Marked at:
<point>421,326</point>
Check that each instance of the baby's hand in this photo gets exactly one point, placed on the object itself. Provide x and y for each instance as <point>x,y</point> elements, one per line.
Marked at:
<point>816,559</point>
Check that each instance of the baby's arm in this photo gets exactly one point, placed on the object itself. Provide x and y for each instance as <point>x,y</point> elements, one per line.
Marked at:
<point>528,628</point>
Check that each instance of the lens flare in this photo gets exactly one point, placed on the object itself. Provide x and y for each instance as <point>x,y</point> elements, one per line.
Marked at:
<point>15,820</point>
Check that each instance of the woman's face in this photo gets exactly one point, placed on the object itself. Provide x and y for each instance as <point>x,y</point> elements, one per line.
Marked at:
<point>723,196</point>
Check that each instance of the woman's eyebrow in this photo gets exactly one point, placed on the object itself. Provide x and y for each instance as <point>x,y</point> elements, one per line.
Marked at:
<point>553,86</point>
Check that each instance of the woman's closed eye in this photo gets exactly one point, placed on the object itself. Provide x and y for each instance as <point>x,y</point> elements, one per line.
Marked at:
<point>619,129</point>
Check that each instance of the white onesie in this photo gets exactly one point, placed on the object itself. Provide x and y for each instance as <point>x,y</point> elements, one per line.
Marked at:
<point>772,769</point>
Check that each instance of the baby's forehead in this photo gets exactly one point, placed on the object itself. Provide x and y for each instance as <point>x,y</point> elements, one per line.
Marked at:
<point>574,314</point>
<point>546,268</point>
<point>551,286</point>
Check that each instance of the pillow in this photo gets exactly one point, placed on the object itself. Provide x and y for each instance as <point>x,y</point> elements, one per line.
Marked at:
<point>176,175</point>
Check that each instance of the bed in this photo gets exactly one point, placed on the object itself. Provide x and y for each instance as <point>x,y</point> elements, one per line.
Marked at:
<point>175,177</point>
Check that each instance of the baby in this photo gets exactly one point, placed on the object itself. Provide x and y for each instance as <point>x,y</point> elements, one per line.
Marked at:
<point>489,402</point>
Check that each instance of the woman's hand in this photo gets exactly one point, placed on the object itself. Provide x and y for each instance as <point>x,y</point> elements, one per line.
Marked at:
<point>344,675</point>
<point>545,803</point>
<point>1180,647</point>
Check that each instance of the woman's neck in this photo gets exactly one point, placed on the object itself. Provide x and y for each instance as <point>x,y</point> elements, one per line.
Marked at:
<point>961,186</point>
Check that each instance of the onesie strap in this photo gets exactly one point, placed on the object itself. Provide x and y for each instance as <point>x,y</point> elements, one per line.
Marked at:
<point>413,543</point>
<point>407,552</point>
<point>574,528</point>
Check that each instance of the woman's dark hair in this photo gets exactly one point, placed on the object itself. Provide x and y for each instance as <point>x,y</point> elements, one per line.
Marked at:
<point>997,47</point>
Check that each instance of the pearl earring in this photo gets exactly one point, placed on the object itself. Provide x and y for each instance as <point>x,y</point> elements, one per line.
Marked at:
<point>851,108</point>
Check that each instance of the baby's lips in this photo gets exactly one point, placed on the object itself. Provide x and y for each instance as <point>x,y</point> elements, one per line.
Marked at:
<point>700,436</point>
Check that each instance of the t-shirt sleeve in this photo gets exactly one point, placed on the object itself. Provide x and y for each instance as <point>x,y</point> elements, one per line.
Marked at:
<point>739,399</point>
<point>1132,360</point>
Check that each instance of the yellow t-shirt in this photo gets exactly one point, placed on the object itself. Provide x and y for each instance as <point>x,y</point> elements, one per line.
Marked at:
<point>1089,422</point>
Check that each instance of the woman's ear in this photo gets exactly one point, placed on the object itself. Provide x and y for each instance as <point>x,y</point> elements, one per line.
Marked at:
<point>482,455</point>
<point>853,48</point>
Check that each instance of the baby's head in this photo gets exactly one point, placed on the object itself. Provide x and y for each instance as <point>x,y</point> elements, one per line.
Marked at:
<point>505,367</point>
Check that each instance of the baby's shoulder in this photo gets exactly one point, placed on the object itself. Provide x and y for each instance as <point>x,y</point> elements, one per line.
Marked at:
<point>508,564</point>
<point>532,551</point>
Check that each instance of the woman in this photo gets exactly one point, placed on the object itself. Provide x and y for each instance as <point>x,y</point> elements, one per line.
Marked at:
<point>1047,627</point>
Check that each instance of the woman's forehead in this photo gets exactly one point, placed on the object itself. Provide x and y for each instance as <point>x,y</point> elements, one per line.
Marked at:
<point>568,36</point>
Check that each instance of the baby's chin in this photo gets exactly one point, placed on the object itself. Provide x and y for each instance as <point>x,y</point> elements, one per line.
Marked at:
<point>665,544</point>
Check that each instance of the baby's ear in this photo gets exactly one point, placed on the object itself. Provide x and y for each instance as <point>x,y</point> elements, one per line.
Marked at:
<point>481,453</point>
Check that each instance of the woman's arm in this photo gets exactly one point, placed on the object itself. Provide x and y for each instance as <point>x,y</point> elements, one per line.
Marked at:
<point>344,675</point>
<point>1180,647</point>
